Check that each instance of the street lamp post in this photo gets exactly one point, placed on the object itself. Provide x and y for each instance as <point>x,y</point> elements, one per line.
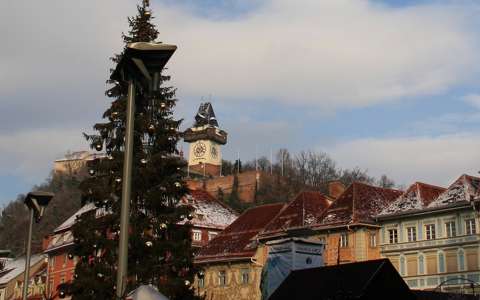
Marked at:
<point>140,66</point>
<point>36,203</point>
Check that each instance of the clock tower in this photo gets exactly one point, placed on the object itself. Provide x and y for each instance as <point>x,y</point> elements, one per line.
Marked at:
<point>205,138</point>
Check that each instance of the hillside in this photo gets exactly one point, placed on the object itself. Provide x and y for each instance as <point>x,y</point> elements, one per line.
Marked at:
<point>14,217</point>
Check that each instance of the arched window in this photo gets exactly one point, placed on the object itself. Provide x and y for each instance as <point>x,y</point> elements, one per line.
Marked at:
<point>441,262</point>
<point>461,260</point>
<point>421,264</point>
<point>403,271</point>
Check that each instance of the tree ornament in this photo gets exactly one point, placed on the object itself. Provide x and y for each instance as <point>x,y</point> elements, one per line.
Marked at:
<point>61,294</point>
<point>114,115</point>
<point>190,217</point>
<point>143,161</point>
<point>163,105</point>
<point>170,138</point>
<point>187,282</point>
<point>163,226</point>
<point>151,129</point>
<point>70,256</point>
<point>100,275</point>
<point>110,157</point>
<point>182,217</point>
<point>118,180</point>
<point>149,244</point>
<point>177,184</point>
<point>99,146</point>
<point>91,172</point>
<point>75,276</point>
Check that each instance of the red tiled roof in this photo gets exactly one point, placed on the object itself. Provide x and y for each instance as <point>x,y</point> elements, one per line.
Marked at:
<point>301,211</point>
<point>358,204</point>
<point>465,188</point>
<point>416,197</point>
<point>238,239</point>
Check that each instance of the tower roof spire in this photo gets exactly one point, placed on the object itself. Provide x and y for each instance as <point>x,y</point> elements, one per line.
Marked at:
<point>205,116</point>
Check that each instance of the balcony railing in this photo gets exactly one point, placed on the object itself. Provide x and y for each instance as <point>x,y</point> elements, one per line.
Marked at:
<point>432,281</point>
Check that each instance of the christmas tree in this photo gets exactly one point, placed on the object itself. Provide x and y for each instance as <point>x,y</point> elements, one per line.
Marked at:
<point>159,251</point>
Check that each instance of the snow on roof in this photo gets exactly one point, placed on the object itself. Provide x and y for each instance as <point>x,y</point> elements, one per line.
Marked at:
<point>465,188</point>
<point>301,211</point>
<point>208,211</point>
<point>238,239</point>
<point>418,196</point>
<point>81,155</point>
<point>360,202</point>
<point>14,268</point>
<point>70,221</point>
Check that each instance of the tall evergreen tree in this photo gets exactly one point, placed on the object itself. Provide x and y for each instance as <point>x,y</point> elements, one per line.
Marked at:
<point>159,246</point>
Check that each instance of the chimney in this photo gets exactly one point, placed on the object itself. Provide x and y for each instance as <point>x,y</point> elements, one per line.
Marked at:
<point>335,188</point>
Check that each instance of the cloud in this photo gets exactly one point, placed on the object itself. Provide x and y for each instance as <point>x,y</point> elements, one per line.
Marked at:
<point>30,154</point>
<point>437,160</point>
<point>473,100</point>
<point>327,54</point>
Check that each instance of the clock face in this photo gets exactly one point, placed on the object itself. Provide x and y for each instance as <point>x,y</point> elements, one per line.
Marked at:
<point>199,149</point>
<point>213,152</point>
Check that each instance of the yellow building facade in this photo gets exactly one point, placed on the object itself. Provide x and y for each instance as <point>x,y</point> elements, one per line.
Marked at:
<point>434,244</point>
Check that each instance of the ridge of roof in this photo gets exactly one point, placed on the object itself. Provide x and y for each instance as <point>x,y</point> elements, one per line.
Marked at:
<point>359,203</point>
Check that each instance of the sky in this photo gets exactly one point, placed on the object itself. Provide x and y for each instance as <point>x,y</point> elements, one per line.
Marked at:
<point>390,86</point>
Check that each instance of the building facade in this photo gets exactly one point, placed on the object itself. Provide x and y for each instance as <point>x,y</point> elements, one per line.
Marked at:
<point>210,216</point>
<point>57,247</point>
<point>11,278</point>
<point>232,263</point>
<point>430,234</point>
<point>345,225</point>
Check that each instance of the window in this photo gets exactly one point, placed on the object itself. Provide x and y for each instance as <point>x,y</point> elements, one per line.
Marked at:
<point>222,278</point>
<point>421,264</point>
<point>430,231</point>
<point>411,234</point>
<point>343,240</point>
<point>197,235</point>
<point>450,229</point>
<point>201,282</point>
<point>461,260</point>
<point>441,262</point>
<point>65,258</point>
<point>373,240</point>
<point>52,261</point>
<point>245,276</point>
<point>211,235</point>
<point>393,236</point>
<point>470,226</point>
<point>402,266</point>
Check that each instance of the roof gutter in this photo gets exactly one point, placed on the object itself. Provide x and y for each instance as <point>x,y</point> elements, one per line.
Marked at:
<point>423,212</point>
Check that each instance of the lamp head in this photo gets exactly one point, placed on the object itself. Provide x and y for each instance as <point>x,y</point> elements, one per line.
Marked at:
<point>38,201</point>
<point>143,62</point>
